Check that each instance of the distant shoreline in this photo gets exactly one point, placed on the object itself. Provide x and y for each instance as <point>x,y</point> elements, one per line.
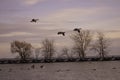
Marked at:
<point>53,60</point>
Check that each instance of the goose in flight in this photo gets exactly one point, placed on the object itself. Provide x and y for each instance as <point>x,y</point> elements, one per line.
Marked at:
<point>62,33</point>
<point>34,20</point>
<point>77,29</point>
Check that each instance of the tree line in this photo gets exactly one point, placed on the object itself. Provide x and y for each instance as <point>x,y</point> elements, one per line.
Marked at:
<point>82,41</point>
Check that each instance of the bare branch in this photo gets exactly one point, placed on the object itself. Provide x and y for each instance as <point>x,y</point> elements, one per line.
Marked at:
<point>81,42</point>
<point>48,48</point>
<point>101,45</point>
<point>23,48</point>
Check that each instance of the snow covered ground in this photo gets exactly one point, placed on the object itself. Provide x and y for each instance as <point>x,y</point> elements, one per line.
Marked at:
<point>107,70</point>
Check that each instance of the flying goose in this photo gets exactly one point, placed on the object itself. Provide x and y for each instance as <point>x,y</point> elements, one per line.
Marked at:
<point>77,29</point>
<point>61,33</point>
<point>34,20</point>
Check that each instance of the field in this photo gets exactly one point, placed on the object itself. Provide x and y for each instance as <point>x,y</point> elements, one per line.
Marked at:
<point>104,70</point>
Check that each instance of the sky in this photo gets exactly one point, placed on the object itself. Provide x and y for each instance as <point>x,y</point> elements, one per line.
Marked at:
<point>54,16</point>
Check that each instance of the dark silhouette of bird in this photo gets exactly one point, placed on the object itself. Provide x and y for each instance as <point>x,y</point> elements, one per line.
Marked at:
<point>33,66</point>
<point>77,29</point>
<point>113,68</point>
<point>94,69</point>
<point>34,20</point>
<point>59,70</point>
<point>42,66</point>
<point>62,33</point>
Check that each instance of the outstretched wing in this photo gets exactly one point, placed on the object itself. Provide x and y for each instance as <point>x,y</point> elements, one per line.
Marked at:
<point>62,33</point>
<point>34,20</point>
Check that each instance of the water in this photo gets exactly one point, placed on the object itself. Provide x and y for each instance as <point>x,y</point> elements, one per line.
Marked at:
<point>107,70</point>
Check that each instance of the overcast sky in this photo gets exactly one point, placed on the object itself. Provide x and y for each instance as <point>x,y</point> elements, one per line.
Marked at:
<point>54,16</point>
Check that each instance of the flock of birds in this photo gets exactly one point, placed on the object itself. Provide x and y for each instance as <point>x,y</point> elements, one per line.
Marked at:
<point>60,32</point>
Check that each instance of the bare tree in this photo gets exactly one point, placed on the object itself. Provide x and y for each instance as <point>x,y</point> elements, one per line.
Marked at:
<point>22,48</point>
<point>37,52</point>
<point>65,51</point>
<point>101,45</point>
<point>48,48</point>
<point>81,42</point>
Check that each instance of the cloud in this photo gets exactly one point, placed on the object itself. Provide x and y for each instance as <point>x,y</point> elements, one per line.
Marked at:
<point>113,35</point>
<point>68,14</point>
<point>16,34</point>
<point>32,2</point>
<point>58,16</point>
<point>69,17</point>
<point>95,17</point>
